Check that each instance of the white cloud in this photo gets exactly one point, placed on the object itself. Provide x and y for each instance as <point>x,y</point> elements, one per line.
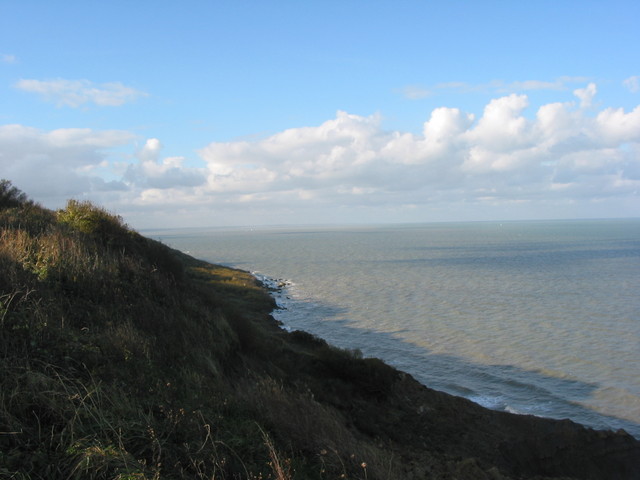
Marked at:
<point>60,164</point>
<point>351,160</point>
<point>536,85</point>
<point>445,125</point>
<point>561,83</point>
<point>155,174</point>
<point>415,92</point>
<point>335,149</point>
<point>75,93</point>
<point>586,95</point>
<point>632,83</point>
<point>617,127</point>
<point>7,58</point>
<point>503,159</point>
<point>502,127</point>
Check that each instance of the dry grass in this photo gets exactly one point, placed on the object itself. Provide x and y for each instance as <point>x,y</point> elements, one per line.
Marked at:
<point>123,359</point>
<point>112,358</point>
<point>314,430</point>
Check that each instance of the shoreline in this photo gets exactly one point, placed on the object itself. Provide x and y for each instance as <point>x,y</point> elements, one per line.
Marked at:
<point>278,289</point>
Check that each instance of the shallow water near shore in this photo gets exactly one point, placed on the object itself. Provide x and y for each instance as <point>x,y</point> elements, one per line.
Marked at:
<point>538,318</point>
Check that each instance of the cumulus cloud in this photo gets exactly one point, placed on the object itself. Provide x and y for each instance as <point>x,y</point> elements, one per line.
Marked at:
<point>503,157</point>
<point>152,173</point>
<point>59,163</point>
<point>502,126</point>
<point>586,95</point>
<point>632,83</point>
<point>616,127</point>
<point>341,148</point>
<point>75,93</point>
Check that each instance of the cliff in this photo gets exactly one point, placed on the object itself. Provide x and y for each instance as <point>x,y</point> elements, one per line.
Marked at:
<point>123,359</point>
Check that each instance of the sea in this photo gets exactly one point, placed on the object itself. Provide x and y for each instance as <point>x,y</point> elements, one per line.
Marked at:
<point>529,317</point>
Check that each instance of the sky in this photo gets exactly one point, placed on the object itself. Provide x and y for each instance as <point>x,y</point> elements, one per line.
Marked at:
<point>210,113</point>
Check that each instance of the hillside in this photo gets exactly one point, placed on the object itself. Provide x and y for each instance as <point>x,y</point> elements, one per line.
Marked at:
<point>121,358</point>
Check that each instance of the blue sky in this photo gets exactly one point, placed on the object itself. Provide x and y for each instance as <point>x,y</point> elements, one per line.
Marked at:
<point>241,113</point>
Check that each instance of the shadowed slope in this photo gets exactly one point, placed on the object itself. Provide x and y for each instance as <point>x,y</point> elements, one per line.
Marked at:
<point>123,359</point>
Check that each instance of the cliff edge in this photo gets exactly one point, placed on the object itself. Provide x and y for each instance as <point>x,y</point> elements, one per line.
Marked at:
<point>121,358</point>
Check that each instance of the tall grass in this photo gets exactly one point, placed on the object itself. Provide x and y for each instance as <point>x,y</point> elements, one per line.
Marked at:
<point>123,359</point>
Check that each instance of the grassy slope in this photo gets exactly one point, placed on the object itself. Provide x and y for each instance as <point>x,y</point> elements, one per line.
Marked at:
<point>123,359</point>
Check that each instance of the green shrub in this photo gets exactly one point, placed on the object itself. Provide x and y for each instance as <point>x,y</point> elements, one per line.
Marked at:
<point>88,218</point>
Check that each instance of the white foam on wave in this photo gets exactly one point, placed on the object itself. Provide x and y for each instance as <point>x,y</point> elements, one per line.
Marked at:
<point>494,403</point>
<point>279,289</point>
<point>510,409</point>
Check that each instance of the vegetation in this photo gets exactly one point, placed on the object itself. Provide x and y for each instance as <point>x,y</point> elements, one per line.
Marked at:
<point>121,358</point>
<point>116,355</point>
<point>11,196</point>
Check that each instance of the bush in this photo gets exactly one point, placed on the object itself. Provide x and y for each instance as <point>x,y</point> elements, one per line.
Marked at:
<point>11,196</point>
<point>92,220</point>
<point>368,376</point>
